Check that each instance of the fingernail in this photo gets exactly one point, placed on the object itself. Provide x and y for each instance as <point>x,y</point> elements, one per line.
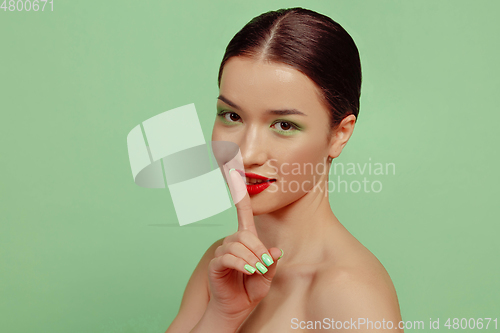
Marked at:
<point>231,170</point>
<point>249,268</point>
<point>267,259</point>
<point>261,267</point>
<point>280,255</point>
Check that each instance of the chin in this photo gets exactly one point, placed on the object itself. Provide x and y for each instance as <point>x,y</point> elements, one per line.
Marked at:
<point>266,204</point>
<point>262,204</point>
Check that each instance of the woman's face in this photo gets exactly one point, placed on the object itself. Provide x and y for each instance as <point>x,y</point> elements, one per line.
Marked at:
<point>291,147</point>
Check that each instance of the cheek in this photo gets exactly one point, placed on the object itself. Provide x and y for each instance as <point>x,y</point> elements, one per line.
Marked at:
<point>219,134</point>
<point>304,157</point>
<point>302,167</point>
<point>215,133</point>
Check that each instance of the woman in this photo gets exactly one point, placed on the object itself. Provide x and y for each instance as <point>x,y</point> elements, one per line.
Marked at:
<point>289,96</point>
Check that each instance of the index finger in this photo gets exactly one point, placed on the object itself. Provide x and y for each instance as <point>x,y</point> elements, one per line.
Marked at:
<point>242,201</point>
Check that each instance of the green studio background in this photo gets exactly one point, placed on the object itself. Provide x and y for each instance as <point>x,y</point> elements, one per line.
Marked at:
<point>84,249</point>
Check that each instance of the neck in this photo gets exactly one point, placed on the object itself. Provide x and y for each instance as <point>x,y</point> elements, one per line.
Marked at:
<point>302,229</point>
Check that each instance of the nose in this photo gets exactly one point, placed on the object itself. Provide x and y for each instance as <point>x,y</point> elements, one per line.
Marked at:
<point>253,148</point>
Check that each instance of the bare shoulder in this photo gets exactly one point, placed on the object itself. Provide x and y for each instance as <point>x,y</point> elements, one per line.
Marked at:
<point>357,288</point>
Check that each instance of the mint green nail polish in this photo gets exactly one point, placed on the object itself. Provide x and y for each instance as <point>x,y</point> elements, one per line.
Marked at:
<point>281,254</point>
<point>261,267</point>
<point>231,170</point>
<point>249,268</point>
<point>267,259</point>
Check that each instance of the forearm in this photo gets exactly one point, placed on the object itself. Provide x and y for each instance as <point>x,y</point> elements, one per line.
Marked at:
<point>214,321</point>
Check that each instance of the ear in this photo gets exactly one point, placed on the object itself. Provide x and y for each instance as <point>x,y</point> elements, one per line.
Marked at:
<point>341,135</point>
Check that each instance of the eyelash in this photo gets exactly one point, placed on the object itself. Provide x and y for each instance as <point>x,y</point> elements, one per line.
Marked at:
<point>222,114</point>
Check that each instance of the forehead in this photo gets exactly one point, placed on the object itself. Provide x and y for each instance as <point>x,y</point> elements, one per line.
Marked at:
<point>262,85</point>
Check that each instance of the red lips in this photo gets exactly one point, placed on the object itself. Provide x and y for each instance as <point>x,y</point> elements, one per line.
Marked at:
<point>256,176</point>
<point>257,188</point>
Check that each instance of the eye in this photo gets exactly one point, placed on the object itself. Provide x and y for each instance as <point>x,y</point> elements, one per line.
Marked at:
<point>285,126</point>
<point>229,117</point>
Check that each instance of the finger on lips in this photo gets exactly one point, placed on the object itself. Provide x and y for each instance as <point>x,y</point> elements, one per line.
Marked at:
<point>247,233</point>
<point>244,206</point>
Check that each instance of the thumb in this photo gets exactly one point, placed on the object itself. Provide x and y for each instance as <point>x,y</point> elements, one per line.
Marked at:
<point>276,253</point>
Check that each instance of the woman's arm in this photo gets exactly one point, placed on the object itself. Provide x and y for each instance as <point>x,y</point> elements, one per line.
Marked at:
<point>196,296</point>
<point>213,321</point>
<point>232,277</point>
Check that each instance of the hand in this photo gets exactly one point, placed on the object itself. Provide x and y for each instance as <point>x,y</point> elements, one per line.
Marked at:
<point>234,291</point>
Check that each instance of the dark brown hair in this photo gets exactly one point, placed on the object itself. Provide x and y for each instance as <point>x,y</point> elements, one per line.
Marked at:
<point>312,43</point>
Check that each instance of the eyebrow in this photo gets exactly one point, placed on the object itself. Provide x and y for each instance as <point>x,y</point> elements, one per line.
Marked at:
<point>281,112</point>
